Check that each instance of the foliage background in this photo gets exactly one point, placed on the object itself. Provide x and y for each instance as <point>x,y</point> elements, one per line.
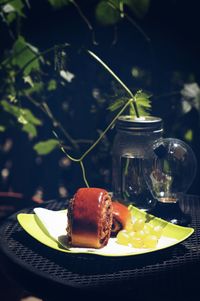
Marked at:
<point>156,50</point>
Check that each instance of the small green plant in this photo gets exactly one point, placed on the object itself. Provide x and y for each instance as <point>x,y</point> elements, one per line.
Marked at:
<point>137,103</point>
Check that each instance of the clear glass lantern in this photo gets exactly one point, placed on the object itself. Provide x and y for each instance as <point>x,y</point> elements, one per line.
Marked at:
<point>169,169</point>
<point>133,137</point>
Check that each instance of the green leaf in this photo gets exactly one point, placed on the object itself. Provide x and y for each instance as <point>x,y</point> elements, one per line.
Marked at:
<point>12,98</point>
<point>106,14</point>
<point>116,104</point>
<point>35,89</point>
<point>142,94</point>
<point>10,18</point>
<point>45,147</point>
<point>23,53</point>
<point>2,128</point>
<point>21,119</point>
<point>12,109</point>
<point>143,103</point>
<point>142,100</point>
<point>23,115</point>
<point>11,10</point>
<point>28,80</point>
<point>52,85</point>
<point>138,7</point>
<point>8,8</point>
<point>30,129</point>
<point>188,135</point>
<point>30,117</point>
<point>18,6</point>
<point>59,3</point>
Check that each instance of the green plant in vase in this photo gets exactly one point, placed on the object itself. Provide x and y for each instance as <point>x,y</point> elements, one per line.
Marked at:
<point>136,130</point>
<point>138,106</point>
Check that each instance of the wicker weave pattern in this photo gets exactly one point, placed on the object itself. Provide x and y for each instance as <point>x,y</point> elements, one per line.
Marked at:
<point>94,272</point>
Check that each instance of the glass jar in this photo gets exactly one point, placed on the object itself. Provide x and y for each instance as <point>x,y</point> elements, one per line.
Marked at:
<point>133,137</point>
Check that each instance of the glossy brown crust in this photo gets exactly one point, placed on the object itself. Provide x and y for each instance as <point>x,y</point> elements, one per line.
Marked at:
<point>89,218</point>
<point>121,215</point>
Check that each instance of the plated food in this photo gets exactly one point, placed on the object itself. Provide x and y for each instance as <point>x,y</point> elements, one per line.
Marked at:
<point>89,218</point>
<point>121,217</point>
<point>49,228</point>
<point>93,218</point>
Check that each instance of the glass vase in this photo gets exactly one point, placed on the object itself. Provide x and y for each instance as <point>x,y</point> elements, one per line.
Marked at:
<point>133,136</point>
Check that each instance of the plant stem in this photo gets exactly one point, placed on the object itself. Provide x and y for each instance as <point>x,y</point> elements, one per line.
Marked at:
<point>57,124</point>
<point>112,73</point>
<point>80,160</point>
<point>85,19</point>
<point>123,14</point>
<point>83,172</point>
<point>8,59</point>
<point>134,104</point>
<point>107,128</point>
<point>119,80</point>
<point>37,55</point>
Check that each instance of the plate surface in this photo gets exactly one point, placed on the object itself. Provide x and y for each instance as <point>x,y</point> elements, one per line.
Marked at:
<point>53,234</point>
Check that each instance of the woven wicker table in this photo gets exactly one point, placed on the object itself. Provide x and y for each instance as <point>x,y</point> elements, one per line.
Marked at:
<point>169,274</point>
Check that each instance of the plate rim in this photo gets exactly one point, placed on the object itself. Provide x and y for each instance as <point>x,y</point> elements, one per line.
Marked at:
<point>31,217</point>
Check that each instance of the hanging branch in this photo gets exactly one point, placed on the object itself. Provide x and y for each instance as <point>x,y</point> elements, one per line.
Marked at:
<point>45,108</point>
<point>133,102</point>
<point>80,160</point>
<point>123,14</point>
<point>85,19</point>
<point>40,54</point>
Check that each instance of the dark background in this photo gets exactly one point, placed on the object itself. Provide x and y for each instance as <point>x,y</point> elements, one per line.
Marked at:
<point>173,28</point>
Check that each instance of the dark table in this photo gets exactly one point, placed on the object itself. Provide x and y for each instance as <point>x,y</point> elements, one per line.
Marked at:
<point>170,274</point>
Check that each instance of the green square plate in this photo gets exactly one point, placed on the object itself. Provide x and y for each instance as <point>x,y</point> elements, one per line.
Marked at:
<point>34,225</point>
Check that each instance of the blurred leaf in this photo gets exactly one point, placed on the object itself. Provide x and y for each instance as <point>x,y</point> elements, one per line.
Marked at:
<point>2,128</point>
<point>18,6</point>
<point>8,8</point>
<point>59,3</point>
<point>36,88</point>
<point>186,106</point>
<point>188,135</point>
<point>30,117</point>
<point>66,75</point>
<point>190,97</point>
<point>28,80</point>
<point>138,7</point>
<point>116,104</point>
<point>23,54</point>
<point>13,9</point>
<point>21,119</point>
<point>52,85</point>
<point>12,109</point>
<point>30,129</point>
<point>143,103</point>
<point>23,115</point>
<point>10,17</point>
<point>12,98</point>
<point>45,147</point>
<point>142,94</point>
<point>106,14</point>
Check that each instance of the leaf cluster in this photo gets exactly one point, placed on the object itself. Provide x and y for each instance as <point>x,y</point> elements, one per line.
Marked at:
<point>23,86</point>
<point>112,11</point>
<point>143,104</point>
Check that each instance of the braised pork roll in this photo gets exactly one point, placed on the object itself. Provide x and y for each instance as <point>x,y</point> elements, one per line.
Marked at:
<point>89,218</point>
<point>121,215</point>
